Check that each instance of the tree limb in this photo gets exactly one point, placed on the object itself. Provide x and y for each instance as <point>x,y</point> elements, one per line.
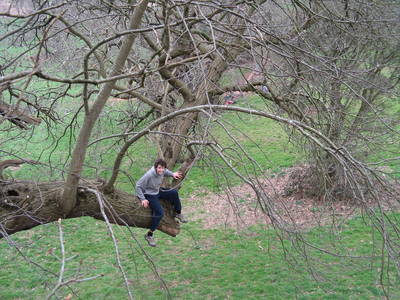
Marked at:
<point>26,204</point>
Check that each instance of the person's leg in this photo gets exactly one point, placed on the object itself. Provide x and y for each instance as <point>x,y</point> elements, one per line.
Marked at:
<point>156,210</point>
<point>157,214</point>
<point>172,197</point>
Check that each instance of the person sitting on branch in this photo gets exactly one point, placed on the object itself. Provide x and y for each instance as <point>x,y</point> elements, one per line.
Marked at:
<point>149,192</point>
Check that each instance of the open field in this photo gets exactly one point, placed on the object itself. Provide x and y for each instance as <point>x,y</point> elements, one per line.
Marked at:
<point>199,263</point>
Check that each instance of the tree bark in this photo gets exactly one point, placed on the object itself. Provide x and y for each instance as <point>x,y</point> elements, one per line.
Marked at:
<point>26,204</point>
<point>68,199</point>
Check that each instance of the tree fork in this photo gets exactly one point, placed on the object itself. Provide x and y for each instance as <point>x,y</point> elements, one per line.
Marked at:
<point>26,204</point>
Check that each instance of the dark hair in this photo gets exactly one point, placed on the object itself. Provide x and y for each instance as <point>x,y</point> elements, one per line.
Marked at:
<point>160,162</point>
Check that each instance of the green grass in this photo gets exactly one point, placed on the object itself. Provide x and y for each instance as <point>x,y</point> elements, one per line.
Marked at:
<point>209,264</point>
<point>265,151</point>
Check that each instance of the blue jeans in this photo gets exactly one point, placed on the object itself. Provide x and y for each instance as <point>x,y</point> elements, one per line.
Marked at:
<point>171,196</point>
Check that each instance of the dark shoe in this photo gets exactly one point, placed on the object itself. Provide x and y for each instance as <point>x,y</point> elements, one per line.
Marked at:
<point>150,240</point>
<point>181,218</point>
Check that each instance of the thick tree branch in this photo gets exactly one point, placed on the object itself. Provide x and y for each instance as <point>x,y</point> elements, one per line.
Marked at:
<point>79,153</point>
<point>13,163</point>
<point>24,205</point>
<point>16,116</point>
<point>19,75</point>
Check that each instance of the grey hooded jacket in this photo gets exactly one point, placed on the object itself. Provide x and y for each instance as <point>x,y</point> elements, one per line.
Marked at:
<point>150,183</point>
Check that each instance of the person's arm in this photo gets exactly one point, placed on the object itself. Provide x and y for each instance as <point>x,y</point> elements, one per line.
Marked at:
<point>168,173</point>
<point>176,175</point>
<point>141,187</point>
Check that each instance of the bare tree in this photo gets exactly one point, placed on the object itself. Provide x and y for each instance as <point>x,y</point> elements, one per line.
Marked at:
<point>327,71</point>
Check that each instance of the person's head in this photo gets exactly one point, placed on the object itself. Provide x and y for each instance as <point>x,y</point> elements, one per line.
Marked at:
<point>160,165</point>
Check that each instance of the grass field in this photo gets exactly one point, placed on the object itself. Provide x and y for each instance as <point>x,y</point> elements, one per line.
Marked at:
<point>198,264</point>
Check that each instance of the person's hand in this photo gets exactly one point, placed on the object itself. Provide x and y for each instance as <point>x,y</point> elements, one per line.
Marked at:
<point>145,203</point>
<point>177,175</point>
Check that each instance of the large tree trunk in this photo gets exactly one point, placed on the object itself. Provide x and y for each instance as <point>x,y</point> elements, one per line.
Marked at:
<point>67,202</point>
<point>26,204</point>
